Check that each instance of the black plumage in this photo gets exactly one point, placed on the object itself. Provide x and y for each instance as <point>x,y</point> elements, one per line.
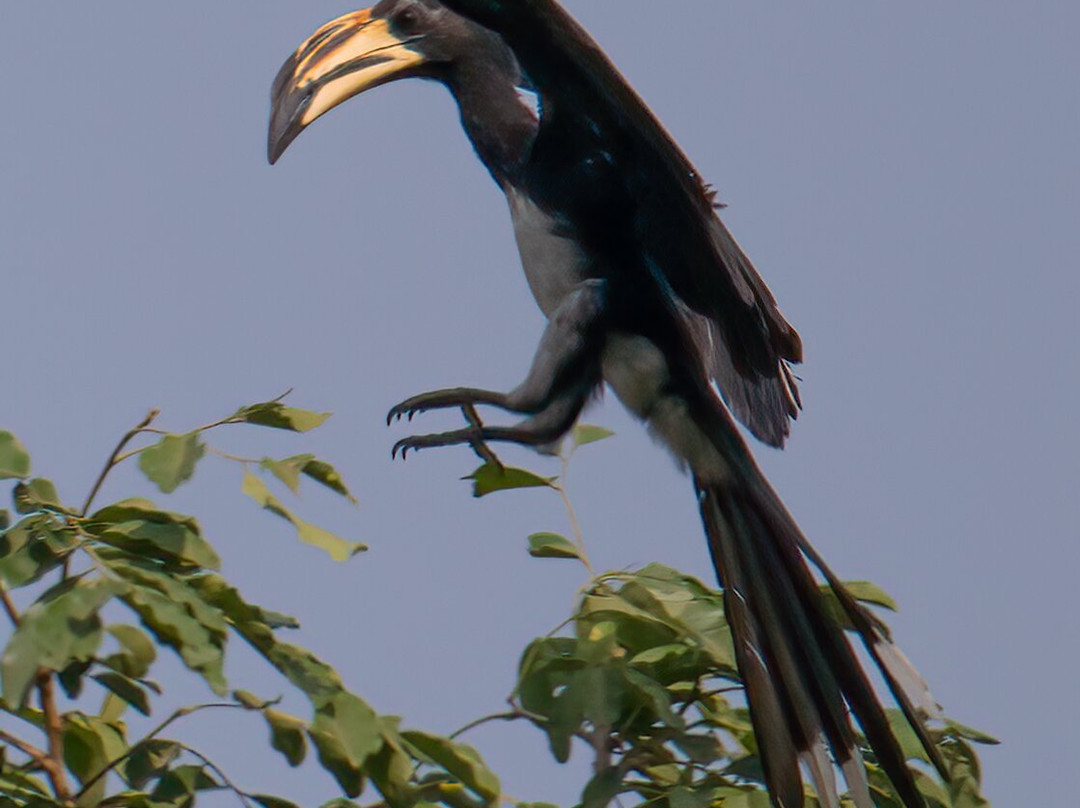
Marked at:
<point>646,290</point>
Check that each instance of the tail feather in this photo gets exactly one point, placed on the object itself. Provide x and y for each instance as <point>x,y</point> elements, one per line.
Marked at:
<point>802,675</point>
<point>778,747</point>
<point>822,774</point>
<point>818,691</point>
<point>905,683</point>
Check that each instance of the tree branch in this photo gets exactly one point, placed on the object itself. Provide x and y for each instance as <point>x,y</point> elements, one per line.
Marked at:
<point>54,730</point>
<point>124,441</point>
<point>9,606</point>
<point>221,775</point>
<point>511,715</point>
<point>39,756</point>
<point>575,526</point>
<point>176,716</point>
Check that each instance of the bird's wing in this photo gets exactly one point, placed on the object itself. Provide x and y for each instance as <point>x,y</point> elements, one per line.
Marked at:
<point>746,343</point>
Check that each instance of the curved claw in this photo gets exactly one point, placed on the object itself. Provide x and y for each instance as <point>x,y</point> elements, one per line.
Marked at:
<point>445,399</point>
<point>401,411</point>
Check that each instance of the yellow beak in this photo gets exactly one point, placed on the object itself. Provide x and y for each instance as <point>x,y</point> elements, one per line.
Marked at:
<point>343,58</point>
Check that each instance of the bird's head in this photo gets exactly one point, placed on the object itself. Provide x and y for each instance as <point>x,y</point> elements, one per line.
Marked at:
<point>394,39</point>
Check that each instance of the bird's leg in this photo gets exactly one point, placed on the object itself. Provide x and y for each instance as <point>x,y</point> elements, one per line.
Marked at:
<point>446,398</point>
<point>537,431</point>
<point>564,372</point>
<point>565,340</point>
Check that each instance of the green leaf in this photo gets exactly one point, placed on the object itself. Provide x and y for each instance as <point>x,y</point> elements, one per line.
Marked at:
<point>290,469</point>
<point>278,620</point>
<point>584,434</point>
<point>552,545</point>
<point>172,460</point>
<point>968,733</point>
<point>683,797</point>
<point>171,542</point>
<point>248,700</point>
<point>870,593</point>
<point>460,760</point>
<point>339,549</point>
<point>174,626</point>
<point>140,527</point>
<point>658,596</point>
<point>178,617</point>
<point>61,627</point>
<point>16,783</point>
<point>748,799</point>
<point>932,790</point>
<point>180,786</point>
<point>287,470</point>
<point>137,651</point>
<point>346,732</point>
<point>703,749</point>
<point>149,760</point>
<point>33,548</point>
<point>392,771</point>
<point>325,474</point>
<point>71,678</point>
<point>602,789</point>
<point>655,696</point>
<point>127,510</point>
<point>177,589</point>
<point>37,495</point>
<point>490,478</point>
<point>90,744</point>
<point>287,735</point>
<point>909,741</point>
<point>276,415</point>
<point>267,801</point>
<point>14,459</point>
<point>317,680</point>
<point>126,689</point>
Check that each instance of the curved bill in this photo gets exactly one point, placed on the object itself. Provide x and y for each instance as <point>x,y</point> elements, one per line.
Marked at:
<point>343,58</point>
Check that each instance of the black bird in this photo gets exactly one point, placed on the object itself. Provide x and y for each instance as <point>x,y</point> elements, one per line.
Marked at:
<point>646,290</point>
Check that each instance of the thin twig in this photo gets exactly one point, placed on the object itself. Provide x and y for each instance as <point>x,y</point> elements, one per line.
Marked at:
<point>149,419</point>
<point>54,730</point>
<point>512,715</point>
<point>183,712</point>
<point>244,798</point>
<point>247,461</point>
<point>482,450</point>
<point>575,525</point>
<point>39,756</point>
<point>568,621</point>
<point>600,741</point>
<point>9,606</point>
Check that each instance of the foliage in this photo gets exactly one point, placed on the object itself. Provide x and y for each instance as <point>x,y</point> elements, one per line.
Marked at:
<point>643,677</point>
<point>646,681</point>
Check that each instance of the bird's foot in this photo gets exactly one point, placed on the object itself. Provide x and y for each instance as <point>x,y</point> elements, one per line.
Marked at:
<point>474,435</point>
<point>440,399</point>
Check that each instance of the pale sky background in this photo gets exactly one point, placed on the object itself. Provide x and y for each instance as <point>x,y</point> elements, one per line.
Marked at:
<point>905,176</point>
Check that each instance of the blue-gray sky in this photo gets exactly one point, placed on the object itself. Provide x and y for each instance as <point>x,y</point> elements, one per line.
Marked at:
<point>906,179</point>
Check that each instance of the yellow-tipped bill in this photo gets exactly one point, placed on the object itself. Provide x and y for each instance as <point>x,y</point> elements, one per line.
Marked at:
<point>343,58</point>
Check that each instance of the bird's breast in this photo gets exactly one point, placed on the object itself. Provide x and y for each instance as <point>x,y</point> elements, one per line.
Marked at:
<point>554,262</point>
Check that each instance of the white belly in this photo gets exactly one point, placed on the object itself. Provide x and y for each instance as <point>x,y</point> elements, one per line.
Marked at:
<point>638,373</point>
<point>553,264</point>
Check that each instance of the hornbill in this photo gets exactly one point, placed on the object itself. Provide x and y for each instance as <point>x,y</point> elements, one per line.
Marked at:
<point>645,290</point>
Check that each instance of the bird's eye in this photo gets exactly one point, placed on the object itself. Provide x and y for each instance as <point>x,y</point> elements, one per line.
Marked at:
<point>406,19</point>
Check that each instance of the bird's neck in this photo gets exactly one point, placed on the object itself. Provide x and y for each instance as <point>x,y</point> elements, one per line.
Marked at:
<point>501,125</point>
